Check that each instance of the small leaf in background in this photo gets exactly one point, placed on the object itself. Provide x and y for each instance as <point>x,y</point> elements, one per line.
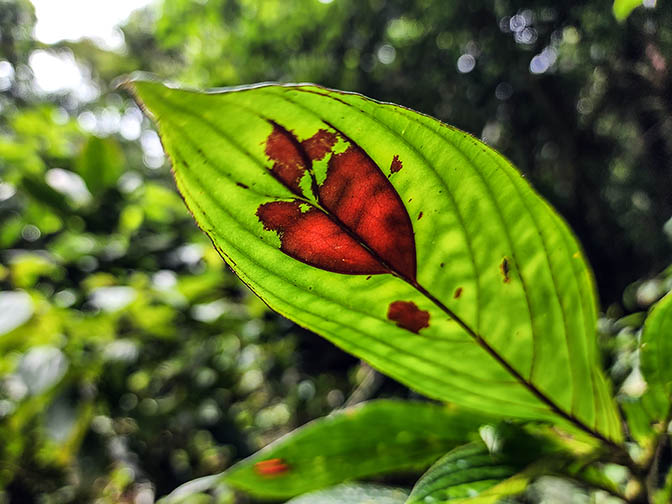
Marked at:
<point>371,438</point>
<point>351,493</point>
<point>623,8</point>
<point>656,347</point>
<point>464,473</point>
<point>100,163</point>
<point>655,355</point>
<point>483,472</point>
<point>398,238</point>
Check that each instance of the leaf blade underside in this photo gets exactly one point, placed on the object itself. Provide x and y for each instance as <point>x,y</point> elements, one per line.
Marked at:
<point>501,312</point>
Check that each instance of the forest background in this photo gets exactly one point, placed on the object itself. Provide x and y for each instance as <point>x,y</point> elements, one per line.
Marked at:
<point>132,360</point>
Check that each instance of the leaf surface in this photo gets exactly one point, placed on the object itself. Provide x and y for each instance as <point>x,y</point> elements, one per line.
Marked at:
<point>471,474</point>
<point>655,354</point>
<point>404,241</point>
<point>371,438</point>
<point>354,494</point>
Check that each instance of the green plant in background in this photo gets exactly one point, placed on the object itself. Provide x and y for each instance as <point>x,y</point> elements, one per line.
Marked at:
<point>422,251</point>
<point>623,8</point>
<point>132,360</point>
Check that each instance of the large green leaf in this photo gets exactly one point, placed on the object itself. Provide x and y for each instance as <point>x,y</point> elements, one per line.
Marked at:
<point>371,438</point>
<point>500,312</point>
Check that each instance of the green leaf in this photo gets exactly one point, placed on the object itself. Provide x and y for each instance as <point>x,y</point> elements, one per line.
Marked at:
<point>371,438</point>
<point>354,494</point>
<point>100,163</point>
<point>501,464</point>
<point>499,311</point>
<point>471,474</point>
<point>654,356</point>
<point>656,348</point>
<point>623,8</point>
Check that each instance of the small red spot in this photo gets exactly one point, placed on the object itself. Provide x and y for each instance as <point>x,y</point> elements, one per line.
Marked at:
<point>319,145</point>
<point>271,468</point>
<point>396,164</point>
<point>408,316</point>
<point>420,216</point>
<point>244,186</point>
<point>458,292</point>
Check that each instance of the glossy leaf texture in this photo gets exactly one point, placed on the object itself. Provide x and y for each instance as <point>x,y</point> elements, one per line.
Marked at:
<point>471,474</point>
<point>362,493</point>
<point>406,242</point>
<point>372,438</point>
<point>501,464</point>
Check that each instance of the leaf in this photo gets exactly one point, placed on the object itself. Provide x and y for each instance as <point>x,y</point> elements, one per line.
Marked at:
<point>354,494</point>
<point>501,464</point>
<point>623,8</point>
<point>486,301</point>
<point>371,438</point>
<point>655,354</point>
<point>100,163</point>
<point>656,348</point>
<point>471,474</point>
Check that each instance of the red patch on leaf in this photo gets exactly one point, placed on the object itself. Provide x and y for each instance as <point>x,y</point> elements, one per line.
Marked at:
<point>458,292</point>
<point>408,316</point>
<point>314,238</point>
<point>271,467</point>
<point>319,145</point>
<point>290,162</point>
<point>366,228</point>
<point>360,196</point>
<point>396,164</point>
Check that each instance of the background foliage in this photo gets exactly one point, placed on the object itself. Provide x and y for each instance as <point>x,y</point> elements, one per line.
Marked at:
<point>131,360</point>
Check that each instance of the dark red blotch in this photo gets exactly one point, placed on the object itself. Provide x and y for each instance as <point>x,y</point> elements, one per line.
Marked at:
<point>360,196</point>
<point>366,228</point>
<point>314,238</point>
<point>396,164</point>
<point>408,316</point>
<point>319,145</point>
<point>289,162</point>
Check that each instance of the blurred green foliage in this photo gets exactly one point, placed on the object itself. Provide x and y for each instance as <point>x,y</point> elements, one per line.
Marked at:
<point>132,361</point>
